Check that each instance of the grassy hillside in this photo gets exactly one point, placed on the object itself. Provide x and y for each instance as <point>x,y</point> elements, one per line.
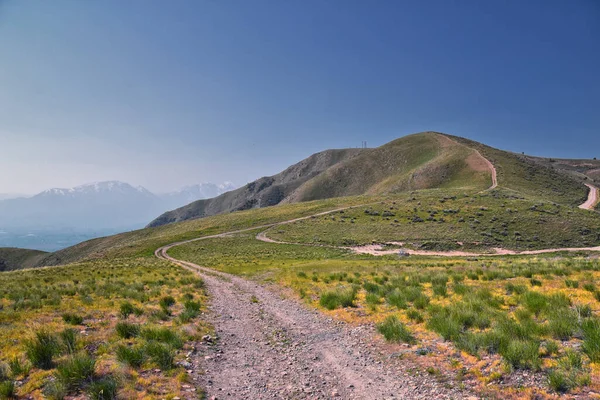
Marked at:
<point>263,192</point>
<point>452,220</point>
<point>12,258</point>
<point>420,161</point>
<point>531,178</point>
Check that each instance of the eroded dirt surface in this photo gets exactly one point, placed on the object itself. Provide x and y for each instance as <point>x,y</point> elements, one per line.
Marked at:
<point>272,347</point>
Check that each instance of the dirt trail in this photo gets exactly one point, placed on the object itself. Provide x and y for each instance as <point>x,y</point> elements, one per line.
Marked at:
<point>273,347</point>
<point>493,169</point>
<point>593,198</point>
<point>377,250</point>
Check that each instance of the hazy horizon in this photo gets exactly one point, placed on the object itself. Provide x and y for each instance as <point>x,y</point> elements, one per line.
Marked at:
<point>166,95</point>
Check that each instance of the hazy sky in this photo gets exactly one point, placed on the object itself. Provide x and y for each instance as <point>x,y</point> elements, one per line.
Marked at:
<point>166,93</point>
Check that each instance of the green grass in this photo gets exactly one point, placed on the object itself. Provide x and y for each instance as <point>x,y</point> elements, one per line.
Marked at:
<point>77,371</point>
<point>133,356</point>
<point>341,297</point>
<point>56,297</point>
<point>41,349</point>
<point>395,331</point>
<point>127,330</point>
<point>451,220</point>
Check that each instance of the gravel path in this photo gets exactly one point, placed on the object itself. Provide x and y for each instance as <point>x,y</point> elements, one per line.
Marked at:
<point>270,347</point>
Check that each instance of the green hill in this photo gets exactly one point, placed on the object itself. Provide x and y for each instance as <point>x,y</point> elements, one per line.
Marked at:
<point>421,161</point>
<point>13,259</point>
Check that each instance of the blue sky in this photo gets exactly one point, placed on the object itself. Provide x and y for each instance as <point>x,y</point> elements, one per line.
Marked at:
<point>164,93</point>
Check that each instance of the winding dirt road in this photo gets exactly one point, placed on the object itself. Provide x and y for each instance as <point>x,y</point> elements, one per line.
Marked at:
<point>270,347</point>
<point>593,198</point>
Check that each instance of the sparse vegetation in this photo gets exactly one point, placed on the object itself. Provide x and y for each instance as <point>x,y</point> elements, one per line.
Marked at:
<point>56,361</point>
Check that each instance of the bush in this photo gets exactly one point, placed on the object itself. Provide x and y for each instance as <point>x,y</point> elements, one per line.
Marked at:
<point>132,356</point>
<point>166,303</point>
<point>72,319</point>
<point>338,298</point>
<point>163,335</point>
<point>126,309</point>
<point>397,298</point>
<point>55,390</point>
<point>160,354</point>
<point>591,339</point>
<point>68,338</point>
<point>41,349</point>
<point>126,330</point>
<point>17,368</point>
<point>8,390</point>
<point>522,354</point>
<point>103,389</point>
<point>190,311</point>
<point>394,331</point>
<point>569,373</point>
<point>414,315</point>
<point>76,371</point>
<point>559,381</point>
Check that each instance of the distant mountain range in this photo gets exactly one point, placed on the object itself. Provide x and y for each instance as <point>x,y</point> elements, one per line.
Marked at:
<point>92,209</point>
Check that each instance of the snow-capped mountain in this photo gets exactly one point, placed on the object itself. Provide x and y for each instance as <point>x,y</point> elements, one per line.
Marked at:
<point>96,188</point>
<point>101,206</point>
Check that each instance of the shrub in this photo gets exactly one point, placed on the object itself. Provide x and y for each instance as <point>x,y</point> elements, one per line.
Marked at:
<point>41,349</point>
<point>55,390</point>
<point>166,302</point>
<point>396,298</point>
<point>551,347</point>
<point>8,390</point>
<point>126,309</point>
<point>562,324</point>
<point>569,373</point>
<point>17,368</point>
<point>126,330</point>
<point>68,338</point>
<point>132,356</point>
<point>72,319</point>
<point>190,311</point>
<point>534,302</point>
<point>77,371</point>
<point>338,298</point>
<point>103,389</point>
<point>446,327</point>
<point>164,335</point>
<point>415,315</point>
<point>522,354</point>
<point>160,354</point>
<point>394,331</point>
<point>559,381</point>
<point>591,339</point>
<point>440,290</point>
